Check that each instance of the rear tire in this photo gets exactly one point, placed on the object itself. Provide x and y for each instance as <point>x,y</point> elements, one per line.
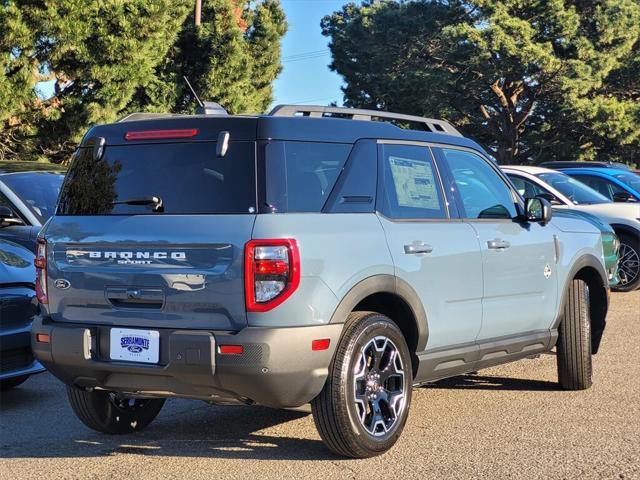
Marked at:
<point>10,383</point>
<point>364,404</point>
<point>107,412</point>
<point>574,339</point>
<point>629,263</point>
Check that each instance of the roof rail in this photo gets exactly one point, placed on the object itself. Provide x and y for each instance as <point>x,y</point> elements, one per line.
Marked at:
<point>430,124</point>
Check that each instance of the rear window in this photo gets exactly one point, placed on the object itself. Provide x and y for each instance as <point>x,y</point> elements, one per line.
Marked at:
<point>187,178</point>
<point>301,175</point>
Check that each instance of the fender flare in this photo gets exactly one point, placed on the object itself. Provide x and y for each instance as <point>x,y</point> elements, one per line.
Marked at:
<point>384,283</point>
<point>590,261</point>
<point>587,260</point>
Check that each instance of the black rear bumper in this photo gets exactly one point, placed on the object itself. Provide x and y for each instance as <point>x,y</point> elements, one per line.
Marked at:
<point>277,367</point>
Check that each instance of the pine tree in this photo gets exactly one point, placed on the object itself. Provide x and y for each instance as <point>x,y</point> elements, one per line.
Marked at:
<point>507,72</point>
<point>113,57</point>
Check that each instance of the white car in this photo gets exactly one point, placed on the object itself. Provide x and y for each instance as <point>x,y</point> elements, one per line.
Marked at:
<point>564,191</point>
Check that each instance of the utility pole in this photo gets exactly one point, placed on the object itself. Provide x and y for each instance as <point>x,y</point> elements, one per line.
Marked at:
<point>198,14</point>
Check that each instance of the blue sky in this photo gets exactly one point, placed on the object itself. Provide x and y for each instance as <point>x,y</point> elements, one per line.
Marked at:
<point>306,78</point>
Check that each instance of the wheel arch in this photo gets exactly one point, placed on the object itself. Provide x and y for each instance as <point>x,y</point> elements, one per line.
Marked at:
<point>393,298</point>
<point>621,228</point>
<point>589,269</point>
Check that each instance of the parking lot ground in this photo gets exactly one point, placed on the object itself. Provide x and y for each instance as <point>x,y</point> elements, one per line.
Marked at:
<point>505,422</point>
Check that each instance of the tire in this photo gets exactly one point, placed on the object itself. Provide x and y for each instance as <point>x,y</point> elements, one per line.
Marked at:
<point>364,404</point>
<point>107,412</point>
<point>574,339</point>
<point>10,383</point>
<point>629,263</point>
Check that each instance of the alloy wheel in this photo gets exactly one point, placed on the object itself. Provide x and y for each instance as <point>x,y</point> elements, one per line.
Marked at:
<point>628,264</point>
<point>379,385</point>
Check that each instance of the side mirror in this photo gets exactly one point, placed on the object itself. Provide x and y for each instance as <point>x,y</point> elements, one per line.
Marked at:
<point>621,197</point>
<point>538,210</point>
<point>8,216</point>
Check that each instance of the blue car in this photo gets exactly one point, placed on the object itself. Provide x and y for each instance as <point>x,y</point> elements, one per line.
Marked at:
<point>17,307</point>
<point>615,184</point>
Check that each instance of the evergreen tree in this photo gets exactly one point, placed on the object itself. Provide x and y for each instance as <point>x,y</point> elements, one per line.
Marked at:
<point>113,57</point>
<point>526,78</point>
<point>232,58</point>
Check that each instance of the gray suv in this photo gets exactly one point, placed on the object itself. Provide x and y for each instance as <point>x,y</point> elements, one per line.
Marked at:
<point>323,255</point>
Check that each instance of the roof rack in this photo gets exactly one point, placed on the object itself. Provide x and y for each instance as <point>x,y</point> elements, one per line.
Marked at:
<point>429,124</point>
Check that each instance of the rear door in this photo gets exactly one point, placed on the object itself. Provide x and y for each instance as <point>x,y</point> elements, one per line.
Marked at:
<point>118,257</point>
<point>438,256</point>
<point>520,281</point>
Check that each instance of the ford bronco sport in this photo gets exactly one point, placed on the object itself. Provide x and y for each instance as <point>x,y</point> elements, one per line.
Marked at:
<point>315,254</point>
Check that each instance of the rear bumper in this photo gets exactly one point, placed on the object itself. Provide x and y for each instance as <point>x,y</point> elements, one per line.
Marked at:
<point>276,369</point>
<point>16,358</point>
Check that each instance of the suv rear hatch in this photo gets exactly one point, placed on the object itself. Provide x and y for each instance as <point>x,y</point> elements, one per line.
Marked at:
<point>152,234</point>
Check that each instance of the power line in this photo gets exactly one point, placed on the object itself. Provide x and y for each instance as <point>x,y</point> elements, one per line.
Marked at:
<point>306,55</point>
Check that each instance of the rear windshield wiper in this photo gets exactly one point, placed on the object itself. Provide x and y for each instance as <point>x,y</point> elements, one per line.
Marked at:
<point>155,201</point>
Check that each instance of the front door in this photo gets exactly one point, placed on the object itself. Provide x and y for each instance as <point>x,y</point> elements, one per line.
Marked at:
<point>520,281</point>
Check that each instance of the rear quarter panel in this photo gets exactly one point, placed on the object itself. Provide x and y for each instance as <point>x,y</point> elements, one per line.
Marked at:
<point>336,250</point>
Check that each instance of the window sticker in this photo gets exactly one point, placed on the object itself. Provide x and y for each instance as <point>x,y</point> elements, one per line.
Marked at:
<point>415,183</point>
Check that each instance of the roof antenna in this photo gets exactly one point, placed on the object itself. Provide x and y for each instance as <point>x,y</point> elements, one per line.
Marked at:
<point>200,104</point>
<point>206,108</point>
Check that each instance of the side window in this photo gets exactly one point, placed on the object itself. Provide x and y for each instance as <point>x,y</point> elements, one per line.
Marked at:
<point>600,185</point>
<point>410,185</point>
<point>526,187</point>
<point>301,175</point>
<point>478,187</point>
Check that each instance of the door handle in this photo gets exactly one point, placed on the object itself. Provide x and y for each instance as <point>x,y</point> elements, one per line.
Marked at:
<point>498,244</point>
<point>414,248</point>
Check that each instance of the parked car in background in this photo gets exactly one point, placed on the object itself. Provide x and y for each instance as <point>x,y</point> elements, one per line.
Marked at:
<point>610,241</point>
<point>298,257</point>
<point>566,192</point>
<point>18,305</point>
<point>571,164</point>
<point>617,185</point>
<point>27,200</point>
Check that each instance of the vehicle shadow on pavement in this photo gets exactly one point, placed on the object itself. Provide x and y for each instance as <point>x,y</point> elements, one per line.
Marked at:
<point>183,429</point>
<point>17,398</point>
<point>487,382</point>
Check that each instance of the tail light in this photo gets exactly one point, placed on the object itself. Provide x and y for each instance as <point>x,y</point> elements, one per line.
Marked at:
<point>41,271</point>
<point>271,272</point>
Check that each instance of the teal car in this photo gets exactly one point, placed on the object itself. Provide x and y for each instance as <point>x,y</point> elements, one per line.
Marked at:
<point>610,241</point>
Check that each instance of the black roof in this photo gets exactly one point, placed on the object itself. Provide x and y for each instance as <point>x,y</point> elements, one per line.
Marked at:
<point>269,127</point>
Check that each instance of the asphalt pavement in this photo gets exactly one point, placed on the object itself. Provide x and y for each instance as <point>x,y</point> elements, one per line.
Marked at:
<point>505,422</point>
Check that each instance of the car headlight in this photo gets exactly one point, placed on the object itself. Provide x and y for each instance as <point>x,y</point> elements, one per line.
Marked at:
<point>616,244</point>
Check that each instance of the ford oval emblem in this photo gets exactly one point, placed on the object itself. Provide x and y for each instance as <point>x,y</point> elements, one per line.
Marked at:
<point>62,284</point>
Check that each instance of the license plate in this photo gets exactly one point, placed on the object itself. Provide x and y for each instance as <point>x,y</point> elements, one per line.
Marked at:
<point>135,345</point>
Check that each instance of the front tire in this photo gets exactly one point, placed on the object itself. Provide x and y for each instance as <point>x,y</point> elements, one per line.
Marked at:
<point>364,404</point>
<point>108,412</point>
<point>629,264</point>
<point>574,339</point>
